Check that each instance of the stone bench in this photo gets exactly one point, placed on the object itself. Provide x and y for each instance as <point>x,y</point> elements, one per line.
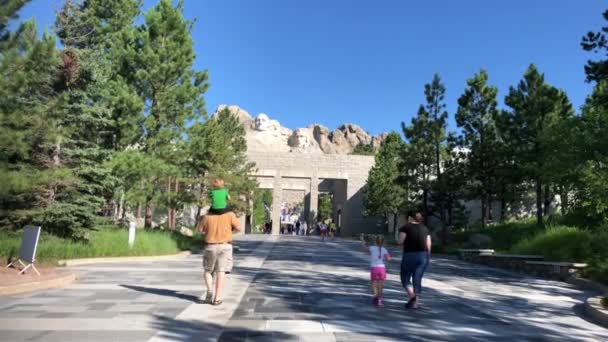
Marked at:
<point>473,255</point>
<point>511,261</point>
<point>559,270</point>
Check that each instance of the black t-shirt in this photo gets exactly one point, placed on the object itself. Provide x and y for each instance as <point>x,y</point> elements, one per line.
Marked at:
<point>415,237</point>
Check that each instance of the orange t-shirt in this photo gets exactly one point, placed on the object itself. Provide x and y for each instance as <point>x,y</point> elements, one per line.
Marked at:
<point>218,228</point>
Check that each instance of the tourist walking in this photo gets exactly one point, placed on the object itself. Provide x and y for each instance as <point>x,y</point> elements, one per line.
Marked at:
<point>323,231</point>
<point>416,241</point>
<point>298,227</point>
<point>217,253</point>
<point>378,255</point>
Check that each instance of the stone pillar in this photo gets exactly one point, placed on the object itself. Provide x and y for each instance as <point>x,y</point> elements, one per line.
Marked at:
<point>314,199</point>
<point>277,199</point>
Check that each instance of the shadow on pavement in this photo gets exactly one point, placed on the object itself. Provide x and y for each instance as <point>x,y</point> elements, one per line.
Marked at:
<point>162,292</point>
<point>310,280</point>
<point>174,330</point>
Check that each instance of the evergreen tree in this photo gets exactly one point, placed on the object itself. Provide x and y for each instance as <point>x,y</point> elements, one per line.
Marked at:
<point>419,156</point>
<point>597,71</point>
<point>535,106</point>
<point>383,194</point>
<point>35,183</point>
<point>475,116</point>
<point>593,190</point>
<point>166,82</point>
<point>435,95</point>
<point>217,148</point>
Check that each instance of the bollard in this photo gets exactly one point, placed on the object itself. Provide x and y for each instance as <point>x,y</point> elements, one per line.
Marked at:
<point>131,233</point>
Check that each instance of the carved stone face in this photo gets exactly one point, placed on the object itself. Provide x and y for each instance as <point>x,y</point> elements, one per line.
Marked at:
<point>301,138</point>
<point>262,122</point>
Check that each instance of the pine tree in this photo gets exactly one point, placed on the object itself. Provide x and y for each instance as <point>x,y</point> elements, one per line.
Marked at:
<point>593,188</point>
<point>435,96</point>
<point>34,183</point>
<point>535,105</point>
<point>419,156</point>
<point>165,80</point>
<point>383,194</point>
<point>475,116</point>
<point>218,149</point>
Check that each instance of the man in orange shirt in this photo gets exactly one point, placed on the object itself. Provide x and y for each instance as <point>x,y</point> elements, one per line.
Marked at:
<point>217,254</point>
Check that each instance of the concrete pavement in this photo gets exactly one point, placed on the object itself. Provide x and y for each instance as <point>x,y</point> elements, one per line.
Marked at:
<point>296,288</point>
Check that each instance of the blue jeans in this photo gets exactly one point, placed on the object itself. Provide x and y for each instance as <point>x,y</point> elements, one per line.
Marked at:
<point>413,266</point>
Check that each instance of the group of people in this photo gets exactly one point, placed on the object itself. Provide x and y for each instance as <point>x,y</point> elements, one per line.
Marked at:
<point>415,240</point>
<point>220,222</point>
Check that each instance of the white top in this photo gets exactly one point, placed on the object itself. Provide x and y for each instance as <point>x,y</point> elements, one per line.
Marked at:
<point>377,256</point>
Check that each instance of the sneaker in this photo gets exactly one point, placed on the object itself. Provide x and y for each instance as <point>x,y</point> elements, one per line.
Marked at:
<point>411,303</point>
<point>380,302</point>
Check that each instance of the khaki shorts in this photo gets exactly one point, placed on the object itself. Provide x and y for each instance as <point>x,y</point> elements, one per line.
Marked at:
<point>217,258</point>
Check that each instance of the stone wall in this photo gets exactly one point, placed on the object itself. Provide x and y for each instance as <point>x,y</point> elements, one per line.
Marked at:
<point>304,171</point>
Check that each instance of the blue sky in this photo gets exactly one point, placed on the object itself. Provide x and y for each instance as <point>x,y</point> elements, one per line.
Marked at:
<point>366,62</point>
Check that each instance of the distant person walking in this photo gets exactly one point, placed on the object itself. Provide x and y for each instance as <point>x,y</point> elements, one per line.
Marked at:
<point>323,231</point>
<point>378,255</point>
<point>416,241</point>
<point>217,253</point>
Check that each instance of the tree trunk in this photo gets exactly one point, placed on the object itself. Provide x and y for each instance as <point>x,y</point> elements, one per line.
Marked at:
<point>174,216</point>
<point>563,194</point>
<point>138,211</point>
<point>169,209</point>
<point>483,211</point>
<point>395,217</point>
<point>451,211</point>
<point>198,213</point>
<point>425,207</point>
<point>490,211</point>
<point>148,215</point>
<point>539,202</point>
<point>503,202</point>
<point>548,198</point>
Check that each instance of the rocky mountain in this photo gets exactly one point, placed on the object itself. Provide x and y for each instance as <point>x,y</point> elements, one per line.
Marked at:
<point>265,134</point>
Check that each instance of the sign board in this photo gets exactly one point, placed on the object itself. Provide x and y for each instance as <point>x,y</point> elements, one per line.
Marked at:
<point>29,243</point>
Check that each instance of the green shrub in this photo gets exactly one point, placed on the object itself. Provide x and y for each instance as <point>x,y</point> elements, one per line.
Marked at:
<point>106,242</point>
<point>558,244</point>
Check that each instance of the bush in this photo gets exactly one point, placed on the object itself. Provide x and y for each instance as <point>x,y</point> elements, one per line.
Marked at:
<point>109,241</point>
<point>558,244</point>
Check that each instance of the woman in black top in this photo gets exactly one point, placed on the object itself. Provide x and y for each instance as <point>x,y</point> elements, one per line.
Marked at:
<point>416,242</point>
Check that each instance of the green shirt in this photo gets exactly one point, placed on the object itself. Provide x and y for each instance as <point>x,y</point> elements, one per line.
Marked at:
<point>219,198</point>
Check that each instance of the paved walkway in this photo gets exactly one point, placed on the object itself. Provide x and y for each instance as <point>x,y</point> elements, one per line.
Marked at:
<point>296,288</point>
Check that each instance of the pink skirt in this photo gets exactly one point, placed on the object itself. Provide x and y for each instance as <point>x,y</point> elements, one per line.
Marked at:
<point>378,273</point>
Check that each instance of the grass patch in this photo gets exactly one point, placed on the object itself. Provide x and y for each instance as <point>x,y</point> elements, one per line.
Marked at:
<point>107,241</point>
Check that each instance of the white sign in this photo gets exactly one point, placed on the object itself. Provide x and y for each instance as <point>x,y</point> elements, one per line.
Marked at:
<point>131,233</point>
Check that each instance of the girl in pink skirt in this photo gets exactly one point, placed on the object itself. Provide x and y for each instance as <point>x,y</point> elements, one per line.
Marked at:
<point>378,255</point>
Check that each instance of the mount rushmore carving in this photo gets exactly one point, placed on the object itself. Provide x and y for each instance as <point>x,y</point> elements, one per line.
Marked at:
<point>265,134</point>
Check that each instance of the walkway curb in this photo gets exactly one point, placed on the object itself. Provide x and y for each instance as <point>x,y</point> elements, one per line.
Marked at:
<point>63,280</point>
<point>587,284</point>
<point>85,261</point>
<point>596,312</point>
